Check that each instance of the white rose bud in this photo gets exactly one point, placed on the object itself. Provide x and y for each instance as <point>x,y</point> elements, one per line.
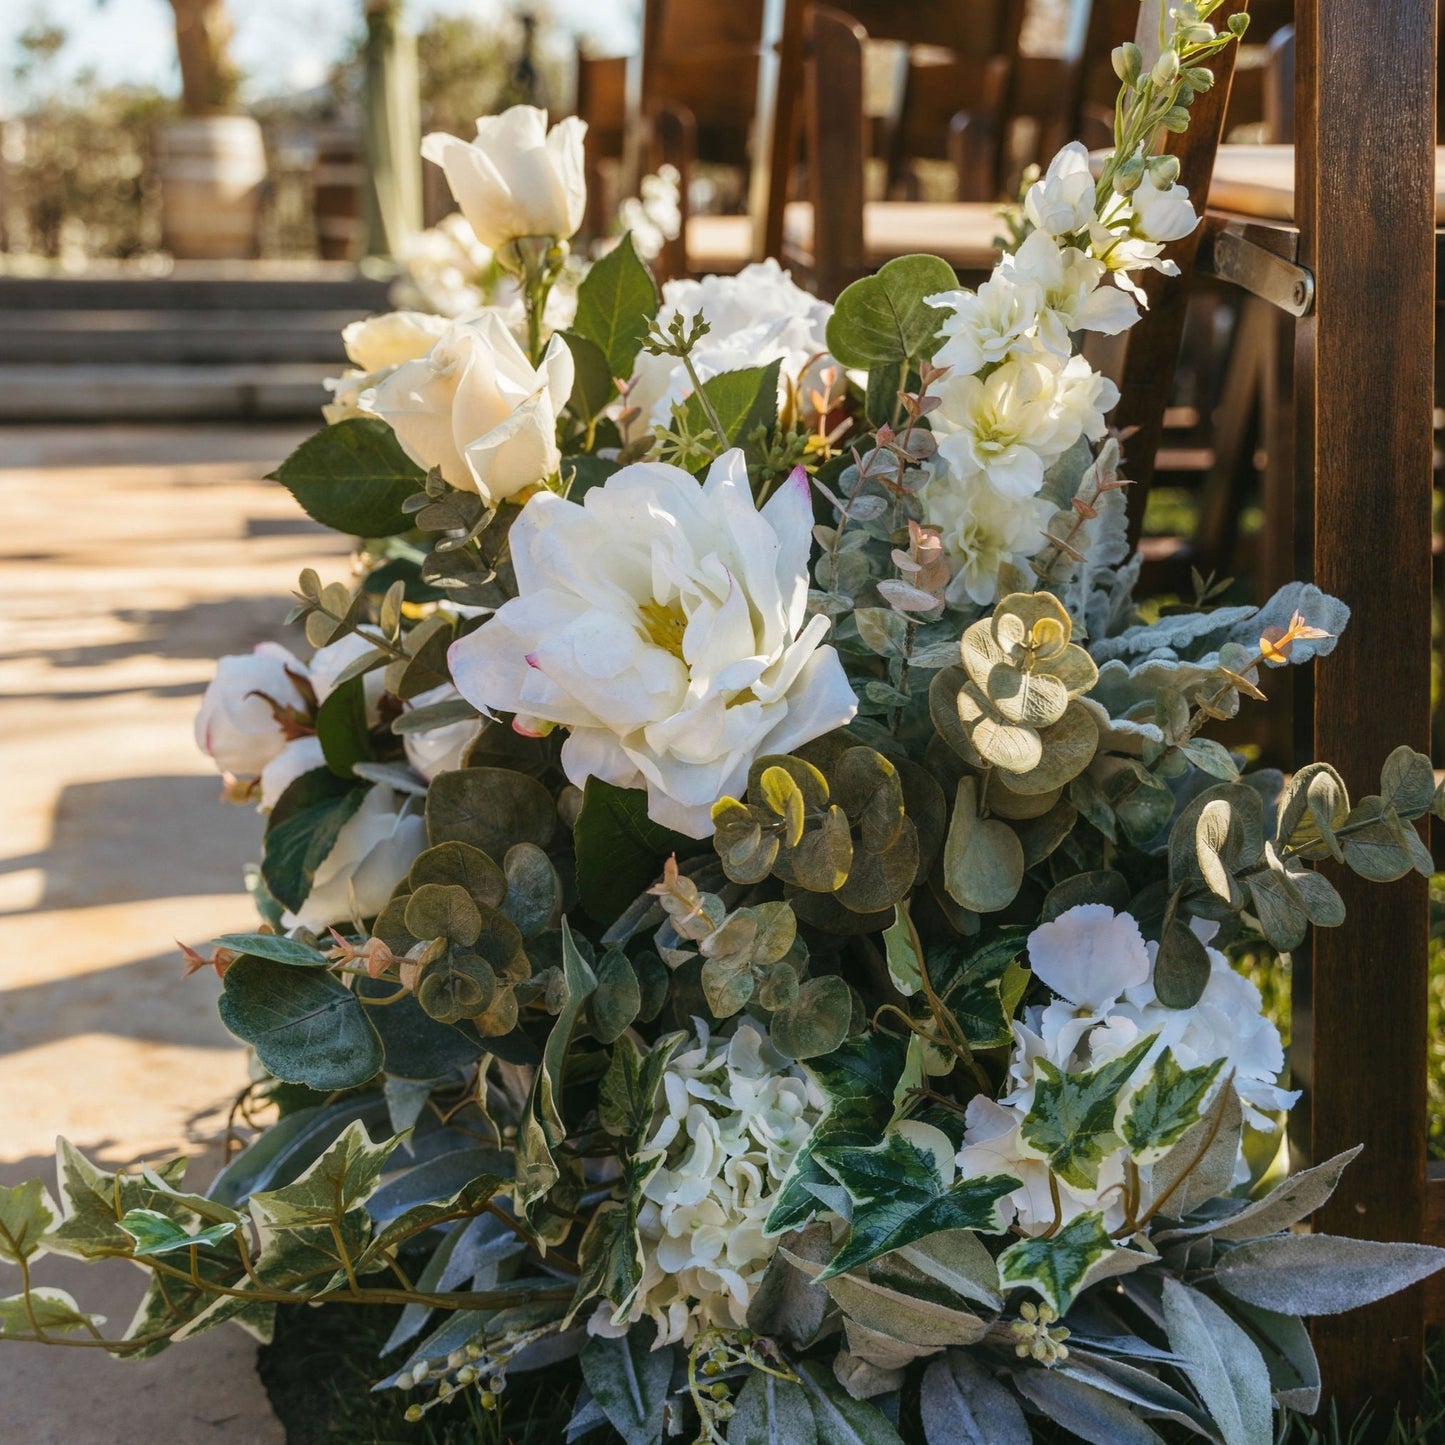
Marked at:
<point>516,178</point>
<point>237,725</point>
<point>372,854</point>
<point>377,346</point>
<point>440,750</point>
<point>1162,213</point>
<point>475,407</point>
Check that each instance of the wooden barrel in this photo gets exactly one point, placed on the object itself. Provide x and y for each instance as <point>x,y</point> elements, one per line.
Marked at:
<point>338,178</point>
<point>212,169</point>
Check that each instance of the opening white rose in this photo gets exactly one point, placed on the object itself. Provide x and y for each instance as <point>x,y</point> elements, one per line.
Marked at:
<point>516,178</point>
<point>475,407</point>
<point>372,853</point>
<point>665,624</point>
<point>377,346</point>
<point>240,725</point>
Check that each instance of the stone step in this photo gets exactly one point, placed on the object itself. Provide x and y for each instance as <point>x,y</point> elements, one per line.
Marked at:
<point>173,337</point>
<point>39,392</point>
<point>208,288</point>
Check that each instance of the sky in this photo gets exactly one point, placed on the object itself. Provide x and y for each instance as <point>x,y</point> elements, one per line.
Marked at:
<point>281,45</point>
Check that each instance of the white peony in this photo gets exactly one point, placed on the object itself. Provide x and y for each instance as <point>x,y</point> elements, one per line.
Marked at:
<point>516,178</point>
<point>987,326</point>
<point>734,1114</point>
<point>664,623</point>
<point>241,723</point>
<point>982,530</point>
<point>1061,201</point>
<point>372,854</point>
<point>475,407</point>
<point>377,346</point>
<point>440,750</point>
<point>756,317</point>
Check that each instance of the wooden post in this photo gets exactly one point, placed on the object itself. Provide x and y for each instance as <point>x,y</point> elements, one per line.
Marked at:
<point>1364,188</point>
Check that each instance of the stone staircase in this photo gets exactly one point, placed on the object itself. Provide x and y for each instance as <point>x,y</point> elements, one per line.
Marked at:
<point>206,343</point>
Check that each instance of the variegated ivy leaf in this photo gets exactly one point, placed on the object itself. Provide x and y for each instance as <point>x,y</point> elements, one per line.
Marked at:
<point>51,1309</point>
<point>903,1189</point>
<point>93,1201</point>
<point>629,1087</point>
<point>337,1184</point>
<point>858,1080</point>
<point>610,1255</point>
<point>27,1213</point>
<point>1073,1116</point>
<point>1058,1266</point>
<point>155,1234</point>
<point>1164,1106</point>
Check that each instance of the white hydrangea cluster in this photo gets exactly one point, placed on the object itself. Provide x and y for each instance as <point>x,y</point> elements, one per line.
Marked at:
<point>1017,397</point>
<point>756,317</point>
<point>733,1114</point>
<point>1100,969</point>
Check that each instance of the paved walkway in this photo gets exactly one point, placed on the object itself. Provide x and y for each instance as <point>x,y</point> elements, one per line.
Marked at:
<point>129,559</point>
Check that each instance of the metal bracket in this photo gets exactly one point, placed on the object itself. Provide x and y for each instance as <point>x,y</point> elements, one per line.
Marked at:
<point>1261,272</point>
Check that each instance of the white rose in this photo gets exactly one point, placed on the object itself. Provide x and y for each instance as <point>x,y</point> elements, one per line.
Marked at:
<point>665,624</point>
<point>238,724</point>
<point>1162,213</point>
<point>1061,201</point>
<point>299,757</point>
<point>476,407</point>
<point>439,750</point>
<point>372,854</point>
<point>516,178</point>
<point>377,346</point>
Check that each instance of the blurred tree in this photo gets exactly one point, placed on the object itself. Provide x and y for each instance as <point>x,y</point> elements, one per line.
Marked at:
<point>209,78</point>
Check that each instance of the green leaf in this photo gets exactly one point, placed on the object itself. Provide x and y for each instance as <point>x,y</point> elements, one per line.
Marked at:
<point>883,319</point>
<point>1222,1362</point>
<point>1056,1268</point>
<point>839,1418</point>
<point>620,850</point>
<point>303,829</point>
<point>342,731</point>
<point>1182,966</point>
<point>772,1411</point>
<point>617,998</point>
<point>1084,1410</point>
<point>983,860</point>
<point>464,1203</point>
<point>610,1255</point>
<point>92,1202</point>
<point>306,1027</point>
<point>155,1233</point>
<point>629,1380</point>
<point>542,1127</point>
<point>337,1183</point>
<point>592,385</point>
<point>880,404</point>
<point>414,1045</point>
<point>27,1213</point>
<point>858,1080</point>
<point>899,1195</point>
<point>743,400</point>
<point>1165,1106</point>
<point>353,477</point>
<point>983,993</point>
<point>905,952</point>
<point>963,1403</point>
<point>816,1022</point>
<point>1072,1119</point>
<point>1407,782</point>
<point>629,1087</point>
<point>582,473</point>
<point>615,306</point>
<point>274,946</point>
<point>52,1309</point>
<point>490,808</point>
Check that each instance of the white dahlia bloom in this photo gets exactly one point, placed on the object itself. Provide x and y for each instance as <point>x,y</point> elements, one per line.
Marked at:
<point>664,623</point>
<point>756,317</point>
<point>987,326</point>
<point>981,531</point>
<point>733,1114</point>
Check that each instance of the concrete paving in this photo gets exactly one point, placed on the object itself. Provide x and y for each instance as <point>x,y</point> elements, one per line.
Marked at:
<point>130,558</point>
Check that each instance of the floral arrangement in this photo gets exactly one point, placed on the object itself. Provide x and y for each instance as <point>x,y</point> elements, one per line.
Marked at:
<point>746,889</point>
